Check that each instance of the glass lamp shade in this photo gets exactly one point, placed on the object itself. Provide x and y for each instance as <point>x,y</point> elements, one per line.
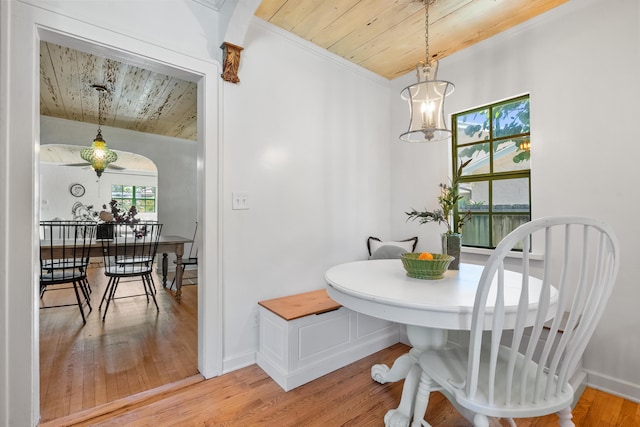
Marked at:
<point>99,154</point>
<point>426,106</point>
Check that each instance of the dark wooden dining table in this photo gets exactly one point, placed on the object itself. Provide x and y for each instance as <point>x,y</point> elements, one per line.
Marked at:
<point>166,245</point>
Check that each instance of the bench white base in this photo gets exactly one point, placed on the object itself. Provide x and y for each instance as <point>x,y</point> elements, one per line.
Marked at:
<point>298,351</point>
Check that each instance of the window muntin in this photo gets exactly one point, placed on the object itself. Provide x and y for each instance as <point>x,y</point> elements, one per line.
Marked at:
<point>142,197</point>
<point>495,185</point>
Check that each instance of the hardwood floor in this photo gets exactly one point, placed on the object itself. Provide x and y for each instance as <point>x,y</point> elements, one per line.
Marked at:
<point>136,337</point>
<point>135,349</point>
<point>346,397</point>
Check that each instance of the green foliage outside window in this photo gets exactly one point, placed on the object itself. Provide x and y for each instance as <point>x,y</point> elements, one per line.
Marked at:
<point>494,143</point>
<point>142,197</point>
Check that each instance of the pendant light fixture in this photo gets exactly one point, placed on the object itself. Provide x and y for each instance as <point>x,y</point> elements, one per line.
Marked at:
<point>99,155</point>
<point>426,97</point>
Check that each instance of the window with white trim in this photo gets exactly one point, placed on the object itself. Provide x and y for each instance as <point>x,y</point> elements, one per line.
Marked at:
<point>142,197</point>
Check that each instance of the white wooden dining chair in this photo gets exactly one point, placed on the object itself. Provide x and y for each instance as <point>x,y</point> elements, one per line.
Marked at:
<point>516,374</point>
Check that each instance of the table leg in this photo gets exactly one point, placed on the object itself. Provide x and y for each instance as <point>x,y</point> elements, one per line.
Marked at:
<point>179,271</point>
<point>179,278</point>
<point>406,366</point>
<point>165,269</point>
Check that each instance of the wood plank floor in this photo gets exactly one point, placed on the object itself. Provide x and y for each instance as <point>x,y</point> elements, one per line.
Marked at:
<point>246,397</point>
<point>135,349</point>
<point>346,397</point>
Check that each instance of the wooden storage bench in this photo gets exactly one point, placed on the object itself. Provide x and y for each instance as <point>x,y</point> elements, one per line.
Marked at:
<point>305,336</point>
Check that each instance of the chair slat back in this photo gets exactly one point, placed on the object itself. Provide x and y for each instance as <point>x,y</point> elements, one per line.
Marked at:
<point>133,248</point>
<point>64,249</point>
<point>578,258</point>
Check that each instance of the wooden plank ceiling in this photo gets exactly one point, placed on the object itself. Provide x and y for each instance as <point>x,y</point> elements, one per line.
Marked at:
<point>137,99</point>
<point>384,36</point>
<point>388,36</point>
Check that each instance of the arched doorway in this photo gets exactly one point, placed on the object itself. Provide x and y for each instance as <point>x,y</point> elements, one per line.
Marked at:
<point>61,167</point>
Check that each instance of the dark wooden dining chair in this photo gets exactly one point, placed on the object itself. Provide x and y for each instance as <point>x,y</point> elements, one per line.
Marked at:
<point>130,254</point>
<point>190,259</point>
<point>512,372</point>
<point>64,259</point>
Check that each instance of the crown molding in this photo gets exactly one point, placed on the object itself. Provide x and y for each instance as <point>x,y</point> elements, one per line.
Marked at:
<point>212,4</point>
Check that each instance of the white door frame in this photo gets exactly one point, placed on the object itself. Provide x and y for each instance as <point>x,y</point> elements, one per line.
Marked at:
<point>19,360</point>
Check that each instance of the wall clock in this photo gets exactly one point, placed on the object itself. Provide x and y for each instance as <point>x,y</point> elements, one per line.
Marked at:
<point>77,190</point>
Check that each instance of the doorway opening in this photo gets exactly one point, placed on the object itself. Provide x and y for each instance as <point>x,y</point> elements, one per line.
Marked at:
<point>208,329</point>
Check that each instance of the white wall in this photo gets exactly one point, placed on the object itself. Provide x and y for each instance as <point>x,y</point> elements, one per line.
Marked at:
<point>196,26</point>
<point>307,138</point>
<point>175,158</point>
<point>56,201</point>
<point>580,63</point>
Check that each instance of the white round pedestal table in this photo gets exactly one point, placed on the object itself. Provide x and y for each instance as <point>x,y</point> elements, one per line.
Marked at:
<point>428,308</point>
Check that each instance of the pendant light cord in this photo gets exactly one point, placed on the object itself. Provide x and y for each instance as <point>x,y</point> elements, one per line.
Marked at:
<point>426,31</point>
<point>101,106</point>
<point>102,103</point>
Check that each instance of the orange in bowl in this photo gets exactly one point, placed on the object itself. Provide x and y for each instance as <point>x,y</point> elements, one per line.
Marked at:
<point>425,255</point>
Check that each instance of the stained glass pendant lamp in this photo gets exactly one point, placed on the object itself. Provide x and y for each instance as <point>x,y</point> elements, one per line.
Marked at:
<point>99,155</point>
<point>426,97</point>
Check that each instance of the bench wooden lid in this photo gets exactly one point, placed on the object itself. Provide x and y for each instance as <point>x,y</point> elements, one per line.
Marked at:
<point>300,305</point>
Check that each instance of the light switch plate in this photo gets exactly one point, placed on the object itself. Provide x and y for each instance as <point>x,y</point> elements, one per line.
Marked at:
<point>240,201</point>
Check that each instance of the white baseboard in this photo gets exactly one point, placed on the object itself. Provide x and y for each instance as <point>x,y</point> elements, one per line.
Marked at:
<point>614,386</point>
<point>238,362</point>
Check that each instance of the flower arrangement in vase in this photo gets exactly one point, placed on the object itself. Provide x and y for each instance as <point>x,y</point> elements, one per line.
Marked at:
<point>112,214</point>
<point>448,200</point>
<point>117,215</point>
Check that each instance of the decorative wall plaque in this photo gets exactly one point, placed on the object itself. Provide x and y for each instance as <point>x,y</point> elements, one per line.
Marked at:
<point>231,55</point>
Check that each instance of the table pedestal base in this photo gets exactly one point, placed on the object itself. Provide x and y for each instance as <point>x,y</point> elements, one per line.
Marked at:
<point>406,367</point>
